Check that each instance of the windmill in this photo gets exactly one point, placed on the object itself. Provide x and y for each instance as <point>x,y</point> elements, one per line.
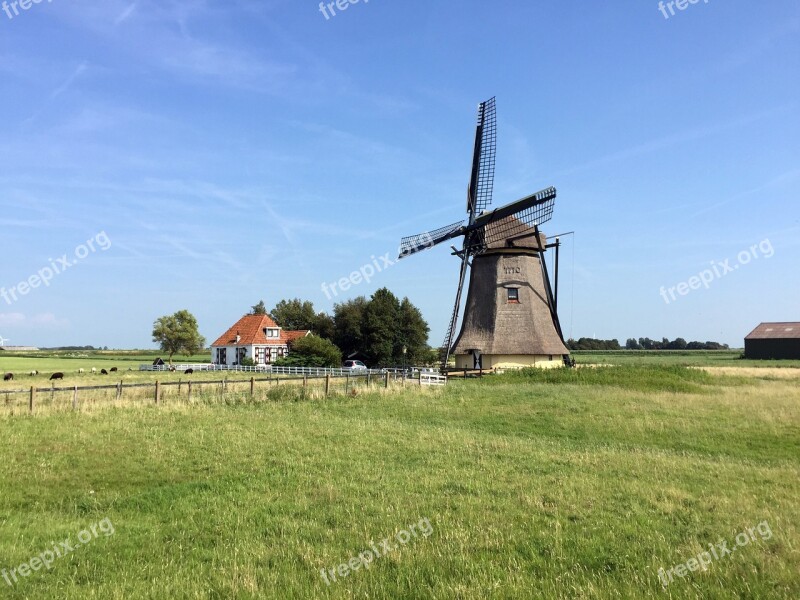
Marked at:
<point>3,341</point>
<point>510,317</point>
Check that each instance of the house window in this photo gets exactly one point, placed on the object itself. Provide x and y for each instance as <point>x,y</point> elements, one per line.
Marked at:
<point>273,333</point>
<point>260,356</point>
<point>513,295</point>
<point>222,356</point>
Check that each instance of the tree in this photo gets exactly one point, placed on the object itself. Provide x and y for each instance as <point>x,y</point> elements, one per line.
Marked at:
<point>324,326</point>
<point>312,351</point>
<point>178,333</point>
<point>381,328</point>
<point>294,314</point>
<point>348,318</point>
<point>632,344</point>
<point>678,344</point>
<point>259,309</point>
<point>413,335</point>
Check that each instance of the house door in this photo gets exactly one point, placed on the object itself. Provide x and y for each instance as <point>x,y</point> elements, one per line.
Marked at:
<point>476,359</point>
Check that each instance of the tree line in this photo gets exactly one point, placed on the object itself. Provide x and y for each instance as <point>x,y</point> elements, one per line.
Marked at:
<point>642,344</point>
<point>375,330</point>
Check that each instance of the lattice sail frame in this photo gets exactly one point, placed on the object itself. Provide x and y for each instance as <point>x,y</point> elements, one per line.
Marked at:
<point>482,179</point>
<point>505,229</point>
<point>422,241</point>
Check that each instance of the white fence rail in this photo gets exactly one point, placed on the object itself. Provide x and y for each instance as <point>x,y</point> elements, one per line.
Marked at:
<point>429,379</point>
<point>311,371</point>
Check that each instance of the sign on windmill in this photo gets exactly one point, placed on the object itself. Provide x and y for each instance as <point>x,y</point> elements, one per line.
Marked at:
<point>510,316</point>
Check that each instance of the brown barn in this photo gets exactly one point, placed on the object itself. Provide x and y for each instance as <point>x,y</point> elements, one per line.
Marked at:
<point>773,341</point>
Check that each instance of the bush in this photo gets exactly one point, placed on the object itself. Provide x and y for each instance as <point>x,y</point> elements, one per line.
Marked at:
<point>311,351</point>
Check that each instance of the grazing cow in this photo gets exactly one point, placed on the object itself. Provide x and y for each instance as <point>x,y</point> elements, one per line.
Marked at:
<point>172,369</point>
<point>56,376</point>
<point>8,377</point>
<point>188,371</point>
<point>80,371</point>
<point>103,372</point>
<point>113,369</point>
<point>94,371</point>
<point>34,373</point>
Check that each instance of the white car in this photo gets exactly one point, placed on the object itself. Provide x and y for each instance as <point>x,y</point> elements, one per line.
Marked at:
<point>354,365</point>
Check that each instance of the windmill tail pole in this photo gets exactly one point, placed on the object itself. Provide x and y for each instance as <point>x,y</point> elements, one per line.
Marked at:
<point>448,341</point>
<point>555,298</point>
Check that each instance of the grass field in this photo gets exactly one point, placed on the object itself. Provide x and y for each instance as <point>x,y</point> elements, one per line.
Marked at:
<point>565,484</point>
<point>704,358</point>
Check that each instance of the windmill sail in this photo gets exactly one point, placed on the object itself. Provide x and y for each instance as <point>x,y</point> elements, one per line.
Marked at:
<point>481,181</point>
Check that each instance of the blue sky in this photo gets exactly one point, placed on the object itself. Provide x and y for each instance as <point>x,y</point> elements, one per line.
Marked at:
<point>240,150</point>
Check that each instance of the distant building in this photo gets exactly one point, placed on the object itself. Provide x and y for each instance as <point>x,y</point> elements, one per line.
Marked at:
<point>253,336</point>
<point>773,341</point>
<point>18,349</point>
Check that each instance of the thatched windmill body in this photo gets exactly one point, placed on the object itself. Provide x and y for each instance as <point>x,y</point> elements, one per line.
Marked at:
<point>510,316</point>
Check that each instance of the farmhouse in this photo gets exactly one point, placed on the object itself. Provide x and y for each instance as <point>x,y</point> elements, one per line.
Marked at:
<point>253,336</point>
<point>773,341</point>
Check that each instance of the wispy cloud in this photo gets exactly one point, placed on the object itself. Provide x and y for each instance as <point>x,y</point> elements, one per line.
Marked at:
<point>16,320</point>
<point>125,14</point>
<point>79,70</point>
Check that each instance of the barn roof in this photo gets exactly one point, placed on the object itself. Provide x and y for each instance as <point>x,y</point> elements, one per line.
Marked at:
<point>251,328</point>
<point>775,331</point>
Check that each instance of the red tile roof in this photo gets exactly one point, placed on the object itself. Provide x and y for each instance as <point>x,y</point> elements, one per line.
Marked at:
<point>251,328</point>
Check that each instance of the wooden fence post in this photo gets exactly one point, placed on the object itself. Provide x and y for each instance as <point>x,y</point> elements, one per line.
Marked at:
<point>252,387</point>
<point>305,381</point>
<point>369,378</point>
<point>179,387</point>
<point>75,398</point>
<point>327,383</point>
<point>386,382</point>
<point>190,391</point>
<point>347,385</point>
<point>119,391</point>
<point>32,401</point>
<point>158,391</point>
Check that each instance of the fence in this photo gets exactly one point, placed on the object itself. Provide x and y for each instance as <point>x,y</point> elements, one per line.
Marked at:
<point>310,371</point>
<point>325,382</point>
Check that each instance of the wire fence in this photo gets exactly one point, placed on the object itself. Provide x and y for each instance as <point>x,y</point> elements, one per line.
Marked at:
<point>32,399</point>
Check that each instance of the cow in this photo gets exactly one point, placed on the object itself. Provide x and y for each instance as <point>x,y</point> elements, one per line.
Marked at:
<point>8,377</point>
<point>80,371</point>
<point>94,371</point>
<point>56,376</point>
<point>188,371</point>
<point>113,369</point>
<point>103,372</point>
<point>33,373</point>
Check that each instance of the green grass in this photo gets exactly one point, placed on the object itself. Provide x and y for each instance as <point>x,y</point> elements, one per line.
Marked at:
<point>696,358</point>
<point>564,484</point>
